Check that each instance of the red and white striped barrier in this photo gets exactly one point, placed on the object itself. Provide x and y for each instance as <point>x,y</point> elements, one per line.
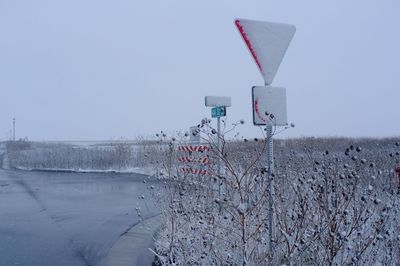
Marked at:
<point>193,158</point>
<point>193,148</point>
<point>193,171</point>
<point>202,160</point>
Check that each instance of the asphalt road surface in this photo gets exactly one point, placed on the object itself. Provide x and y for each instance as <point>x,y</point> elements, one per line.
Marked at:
<point>67,218</point>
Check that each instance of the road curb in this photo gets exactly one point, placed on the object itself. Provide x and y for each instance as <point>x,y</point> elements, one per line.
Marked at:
<point>132,248</point>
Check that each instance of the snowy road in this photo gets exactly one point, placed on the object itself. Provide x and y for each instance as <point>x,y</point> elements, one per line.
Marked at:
<point>66,218</point>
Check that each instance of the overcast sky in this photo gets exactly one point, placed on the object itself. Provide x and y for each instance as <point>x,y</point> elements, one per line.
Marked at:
<point>99,70</point>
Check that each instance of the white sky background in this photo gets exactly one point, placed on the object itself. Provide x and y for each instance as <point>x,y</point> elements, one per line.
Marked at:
<point>96,70</point>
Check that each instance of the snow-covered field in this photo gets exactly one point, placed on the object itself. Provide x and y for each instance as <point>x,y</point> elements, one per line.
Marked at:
<point>116,157</point>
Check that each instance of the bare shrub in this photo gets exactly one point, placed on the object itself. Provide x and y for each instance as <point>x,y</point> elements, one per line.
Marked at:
<point>334,203</point>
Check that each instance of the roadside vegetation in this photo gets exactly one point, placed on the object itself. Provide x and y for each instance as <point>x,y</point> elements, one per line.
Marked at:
<point>335,200</point>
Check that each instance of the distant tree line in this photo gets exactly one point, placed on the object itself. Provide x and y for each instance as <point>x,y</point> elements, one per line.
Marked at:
<point>105,156</point>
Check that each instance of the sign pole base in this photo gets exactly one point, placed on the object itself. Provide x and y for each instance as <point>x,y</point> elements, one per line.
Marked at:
<point>270,159</point>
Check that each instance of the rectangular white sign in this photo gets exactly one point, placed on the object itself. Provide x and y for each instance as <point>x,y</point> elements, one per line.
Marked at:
<point>194,135</point>
<point>269,106</point>
<point>218,101</point>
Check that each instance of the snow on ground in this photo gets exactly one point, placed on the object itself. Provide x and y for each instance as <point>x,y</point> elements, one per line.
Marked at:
<point>334,200</point>
<point>136,170</point>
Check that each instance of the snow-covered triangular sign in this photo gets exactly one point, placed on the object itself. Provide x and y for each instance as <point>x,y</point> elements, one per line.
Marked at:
<point>267,43</point>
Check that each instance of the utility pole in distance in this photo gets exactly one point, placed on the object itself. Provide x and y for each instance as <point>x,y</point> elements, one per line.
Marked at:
<point>13,129</point>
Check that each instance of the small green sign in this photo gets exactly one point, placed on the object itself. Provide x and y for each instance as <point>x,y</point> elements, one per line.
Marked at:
<point>218,111</point>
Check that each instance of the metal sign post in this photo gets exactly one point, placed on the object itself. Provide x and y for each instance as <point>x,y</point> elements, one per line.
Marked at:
<point>269,109</point>
<point>219,112</point>
<point>270,165</point>
<point>219,157</point>
<point>219,105</point>
<point>267,43</point>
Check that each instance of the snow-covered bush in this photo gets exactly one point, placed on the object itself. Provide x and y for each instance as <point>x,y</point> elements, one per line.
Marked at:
<point>335,202</point>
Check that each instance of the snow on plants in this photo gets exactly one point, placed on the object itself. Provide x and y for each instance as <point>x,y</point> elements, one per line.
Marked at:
<point>335,202</point>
